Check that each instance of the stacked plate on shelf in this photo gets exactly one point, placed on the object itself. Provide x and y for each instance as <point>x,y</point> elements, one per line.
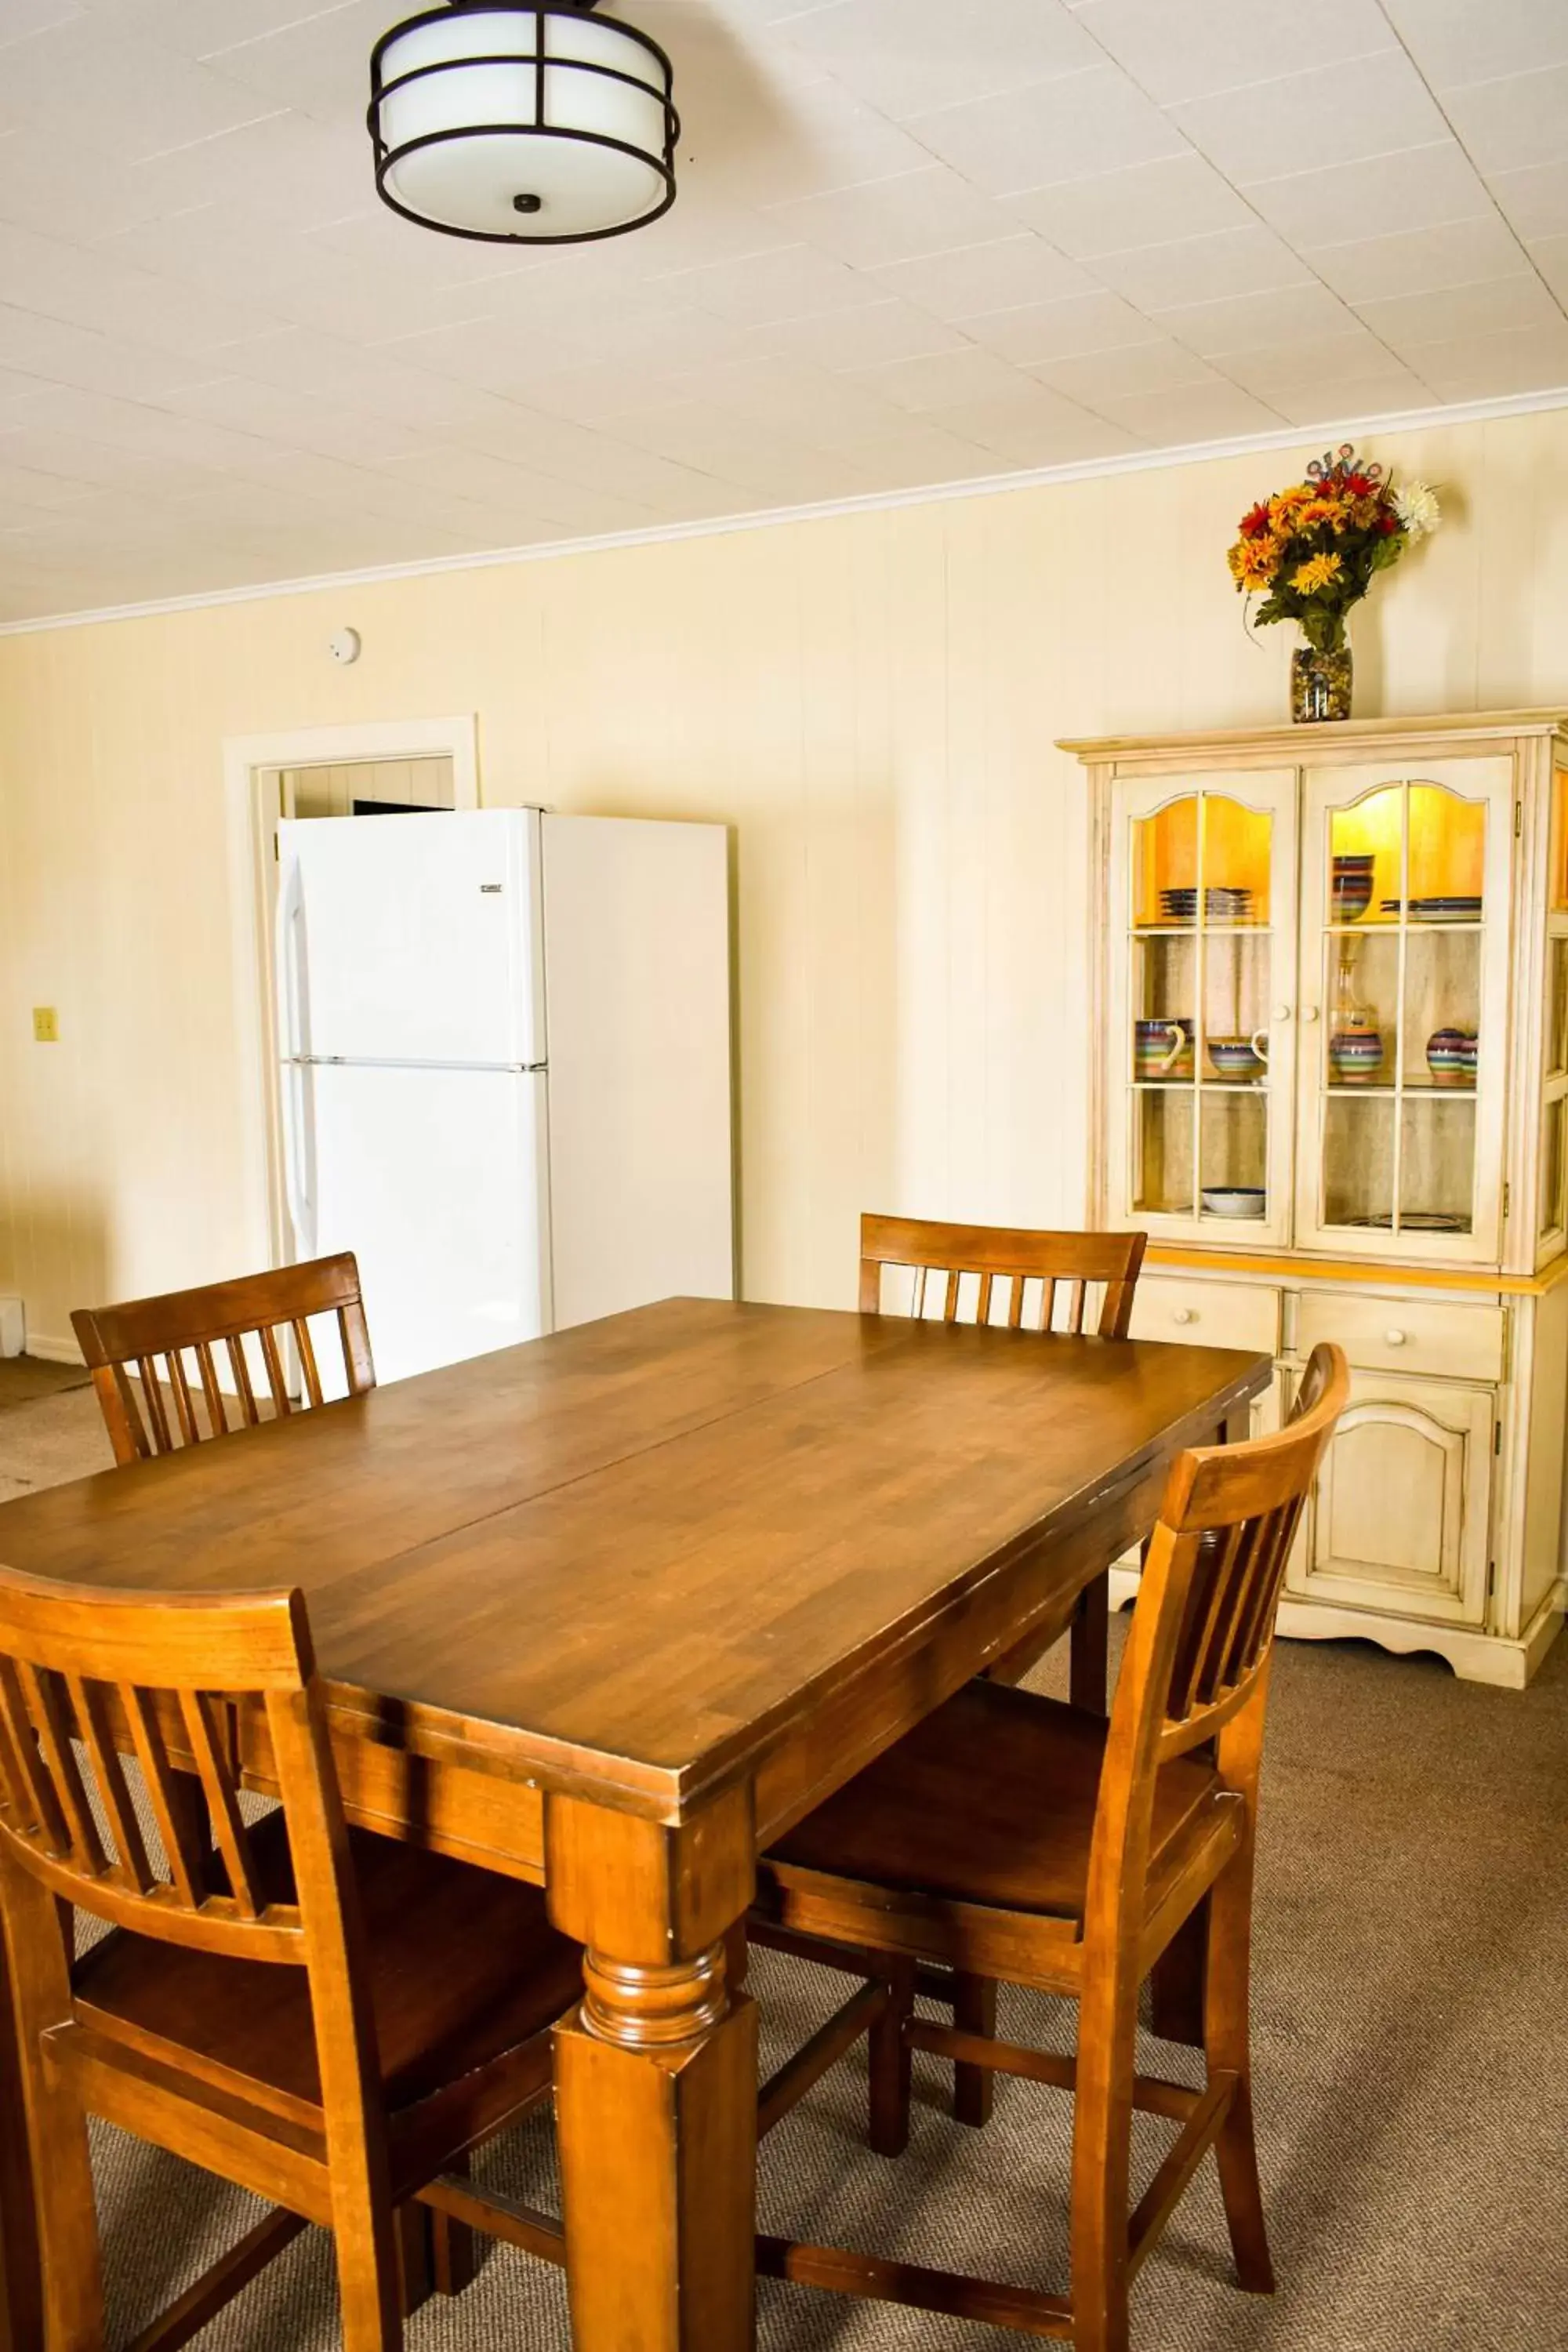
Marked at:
<point>1221,905</point>
<point>1438,910</point>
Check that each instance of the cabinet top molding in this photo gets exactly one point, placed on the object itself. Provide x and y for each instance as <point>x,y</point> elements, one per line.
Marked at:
<point>1328,735</point>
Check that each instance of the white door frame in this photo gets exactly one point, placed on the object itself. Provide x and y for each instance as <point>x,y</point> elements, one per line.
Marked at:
<point>246,760</point>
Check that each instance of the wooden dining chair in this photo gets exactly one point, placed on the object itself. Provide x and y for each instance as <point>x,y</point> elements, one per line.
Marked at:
<point>137,1353</point>
<point>1015,1838</point>
<point>1028,1281</point>
<point>329,2019</point>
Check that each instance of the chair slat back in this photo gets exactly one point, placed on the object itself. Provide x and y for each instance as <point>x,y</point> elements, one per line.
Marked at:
<point>1196,1666</point>
<point>1028,1280</point>
<point>1228,1520</point>
<point>89,1678</point>
<point>153,1353</point>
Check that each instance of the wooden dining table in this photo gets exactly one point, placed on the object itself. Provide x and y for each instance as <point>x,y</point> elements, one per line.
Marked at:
<point>609,1612</point>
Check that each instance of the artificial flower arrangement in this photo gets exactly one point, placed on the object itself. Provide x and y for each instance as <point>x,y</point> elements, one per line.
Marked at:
<point>1312,551</point>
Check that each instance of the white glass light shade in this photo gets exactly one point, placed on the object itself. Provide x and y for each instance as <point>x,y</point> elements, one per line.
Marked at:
<point>536,126</point>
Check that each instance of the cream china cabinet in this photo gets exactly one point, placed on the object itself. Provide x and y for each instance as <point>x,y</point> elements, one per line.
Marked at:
<point>1330,984</point>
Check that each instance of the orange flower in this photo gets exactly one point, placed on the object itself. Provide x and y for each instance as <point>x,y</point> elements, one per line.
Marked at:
<point>1254,561</point>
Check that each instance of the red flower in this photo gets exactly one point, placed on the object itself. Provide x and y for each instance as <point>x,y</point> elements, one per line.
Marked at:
<point>1388,524</point>
<point>1358,484</point>
<point>1255,522</point>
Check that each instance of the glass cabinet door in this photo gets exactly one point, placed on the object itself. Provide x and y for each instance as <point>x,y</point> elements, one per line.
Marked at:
<point>1200,1044</point>
<point>1551,1178</point>
<point>1404,890</point>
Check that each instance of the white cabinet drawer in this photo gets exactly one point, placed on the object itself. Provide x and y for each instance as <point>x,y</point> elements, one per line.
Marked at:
<point>1207,1313</point>
<point>1441,1336</point>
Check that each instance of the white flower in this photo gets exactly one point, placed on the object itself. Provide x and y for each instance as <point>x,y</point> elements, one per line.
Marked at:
<point>1416,504</point>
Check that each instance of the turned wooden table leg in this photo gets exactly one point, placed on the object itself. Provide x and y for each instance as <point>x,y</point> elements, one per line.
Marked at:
<point>656,2081</point>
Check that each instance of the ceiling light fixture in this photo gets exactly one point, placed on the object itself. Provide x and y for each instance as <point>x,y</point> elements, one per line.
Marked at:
<point>546,125</point>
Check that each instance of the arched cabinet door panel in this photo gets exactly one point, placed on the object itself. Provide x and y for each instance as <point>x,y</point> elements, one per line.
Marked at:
<point>1402,1514</point>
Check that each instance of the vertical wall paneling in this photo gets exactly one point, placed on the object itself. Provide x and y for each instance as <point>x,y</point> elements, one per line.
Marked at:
<point>871,702</point>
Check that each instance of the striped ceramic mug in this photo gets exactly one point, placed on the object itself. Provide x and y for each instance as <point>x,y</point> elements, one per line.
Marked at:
<point>1162,1049</point>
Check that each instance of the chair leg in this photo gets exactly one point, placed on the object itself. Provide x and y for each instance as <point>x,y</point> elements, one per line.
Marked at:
<point>68,2231</point>
<point>1101,2168</point>
<point>974,2012</point>
<point>368,2280</point>
<point>892,2064</point>
<point>1227,2047</point>
<point>1089,1665</point>
<point>36,1931</point>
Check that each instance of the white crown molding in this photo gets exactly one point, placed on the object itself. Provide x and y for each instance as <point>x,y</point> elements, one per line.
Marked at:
<point>986,485</point>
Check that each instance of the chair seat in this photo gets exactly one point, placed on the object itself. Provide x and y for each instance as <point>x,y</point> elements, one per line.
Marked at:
<point>989,1804</point>
<point>463,1966</point>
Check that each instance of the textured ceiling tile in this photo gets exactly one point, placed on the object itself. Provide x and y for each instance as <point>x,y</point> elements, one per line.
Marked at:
<point>1049,331</point>
<point>907,57</point>
<point>1298,314</point>
<point>768,145</point>
<point>1001,276</point>
<point>1502,304</point>
<point>1458,41</point>
<point>1036,426</point>
<point>1249,260</point>
<point>1421,260</point>
<point>1178,50</point>
<point>1394,391</point>
<point>797,282</point>
<point>1421,187</point>
<point>1513,123</point>
<point>929,211</point>
<point>1093,122</point>
<point>124,97</point>
<point>1112,212</point>
<point>1196,412</point>
<point>1338,117</point>
<point>943,379</point>
<point>1326,360</point>
<point>1097,376</point>
<point>859,338</point>
<point>1535,201</point>
<point>1482,367</point>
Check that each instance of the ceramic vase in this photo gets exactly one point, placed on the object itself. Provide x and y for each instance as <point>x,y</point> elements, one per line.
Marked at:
<point>1355,1054</point>
<point>1451,1056</point>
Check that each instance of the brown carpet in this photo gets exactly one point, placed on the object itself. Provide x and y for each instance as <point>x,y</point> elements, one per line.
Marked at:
<point>1411,2039</point>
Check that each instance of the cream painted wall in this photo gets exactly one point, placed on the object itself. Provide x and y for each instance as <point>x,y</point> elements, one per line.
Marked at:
<point>870,700</point>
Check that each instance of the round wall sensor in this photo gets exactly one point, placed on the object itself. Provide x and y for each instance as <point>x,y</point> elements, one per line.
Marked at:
<point>344,647</point>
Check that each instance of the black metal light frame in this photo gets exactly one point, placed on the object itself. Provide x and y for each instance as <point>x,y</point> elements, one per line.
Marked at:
<point>385,156</point>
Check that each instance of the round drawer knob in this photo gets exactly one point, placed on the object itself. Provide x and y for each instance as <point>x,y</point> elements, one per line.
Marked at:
<point>1310,1014</point>
<point>1282,1013</point>
<point>1184,1315</point>
<point>1394,1338</point>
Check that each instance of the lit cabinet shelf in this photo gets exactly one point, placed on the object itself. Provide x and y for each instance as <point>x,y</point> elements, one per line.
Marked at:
<point>1331,978</point>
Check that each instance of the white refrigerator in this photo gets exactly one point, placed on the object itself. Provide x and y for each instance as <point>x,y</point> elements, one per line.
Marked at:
<point>504,1043</point>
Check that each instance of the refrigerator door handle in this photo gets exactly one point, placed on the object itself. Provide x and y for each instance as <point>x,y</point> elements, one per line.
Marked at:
<point>301,1208</point>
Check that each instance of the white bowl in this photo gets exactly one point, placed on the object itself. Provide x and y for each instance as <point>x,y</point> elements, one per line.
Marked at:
<point>1235,1201</point>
